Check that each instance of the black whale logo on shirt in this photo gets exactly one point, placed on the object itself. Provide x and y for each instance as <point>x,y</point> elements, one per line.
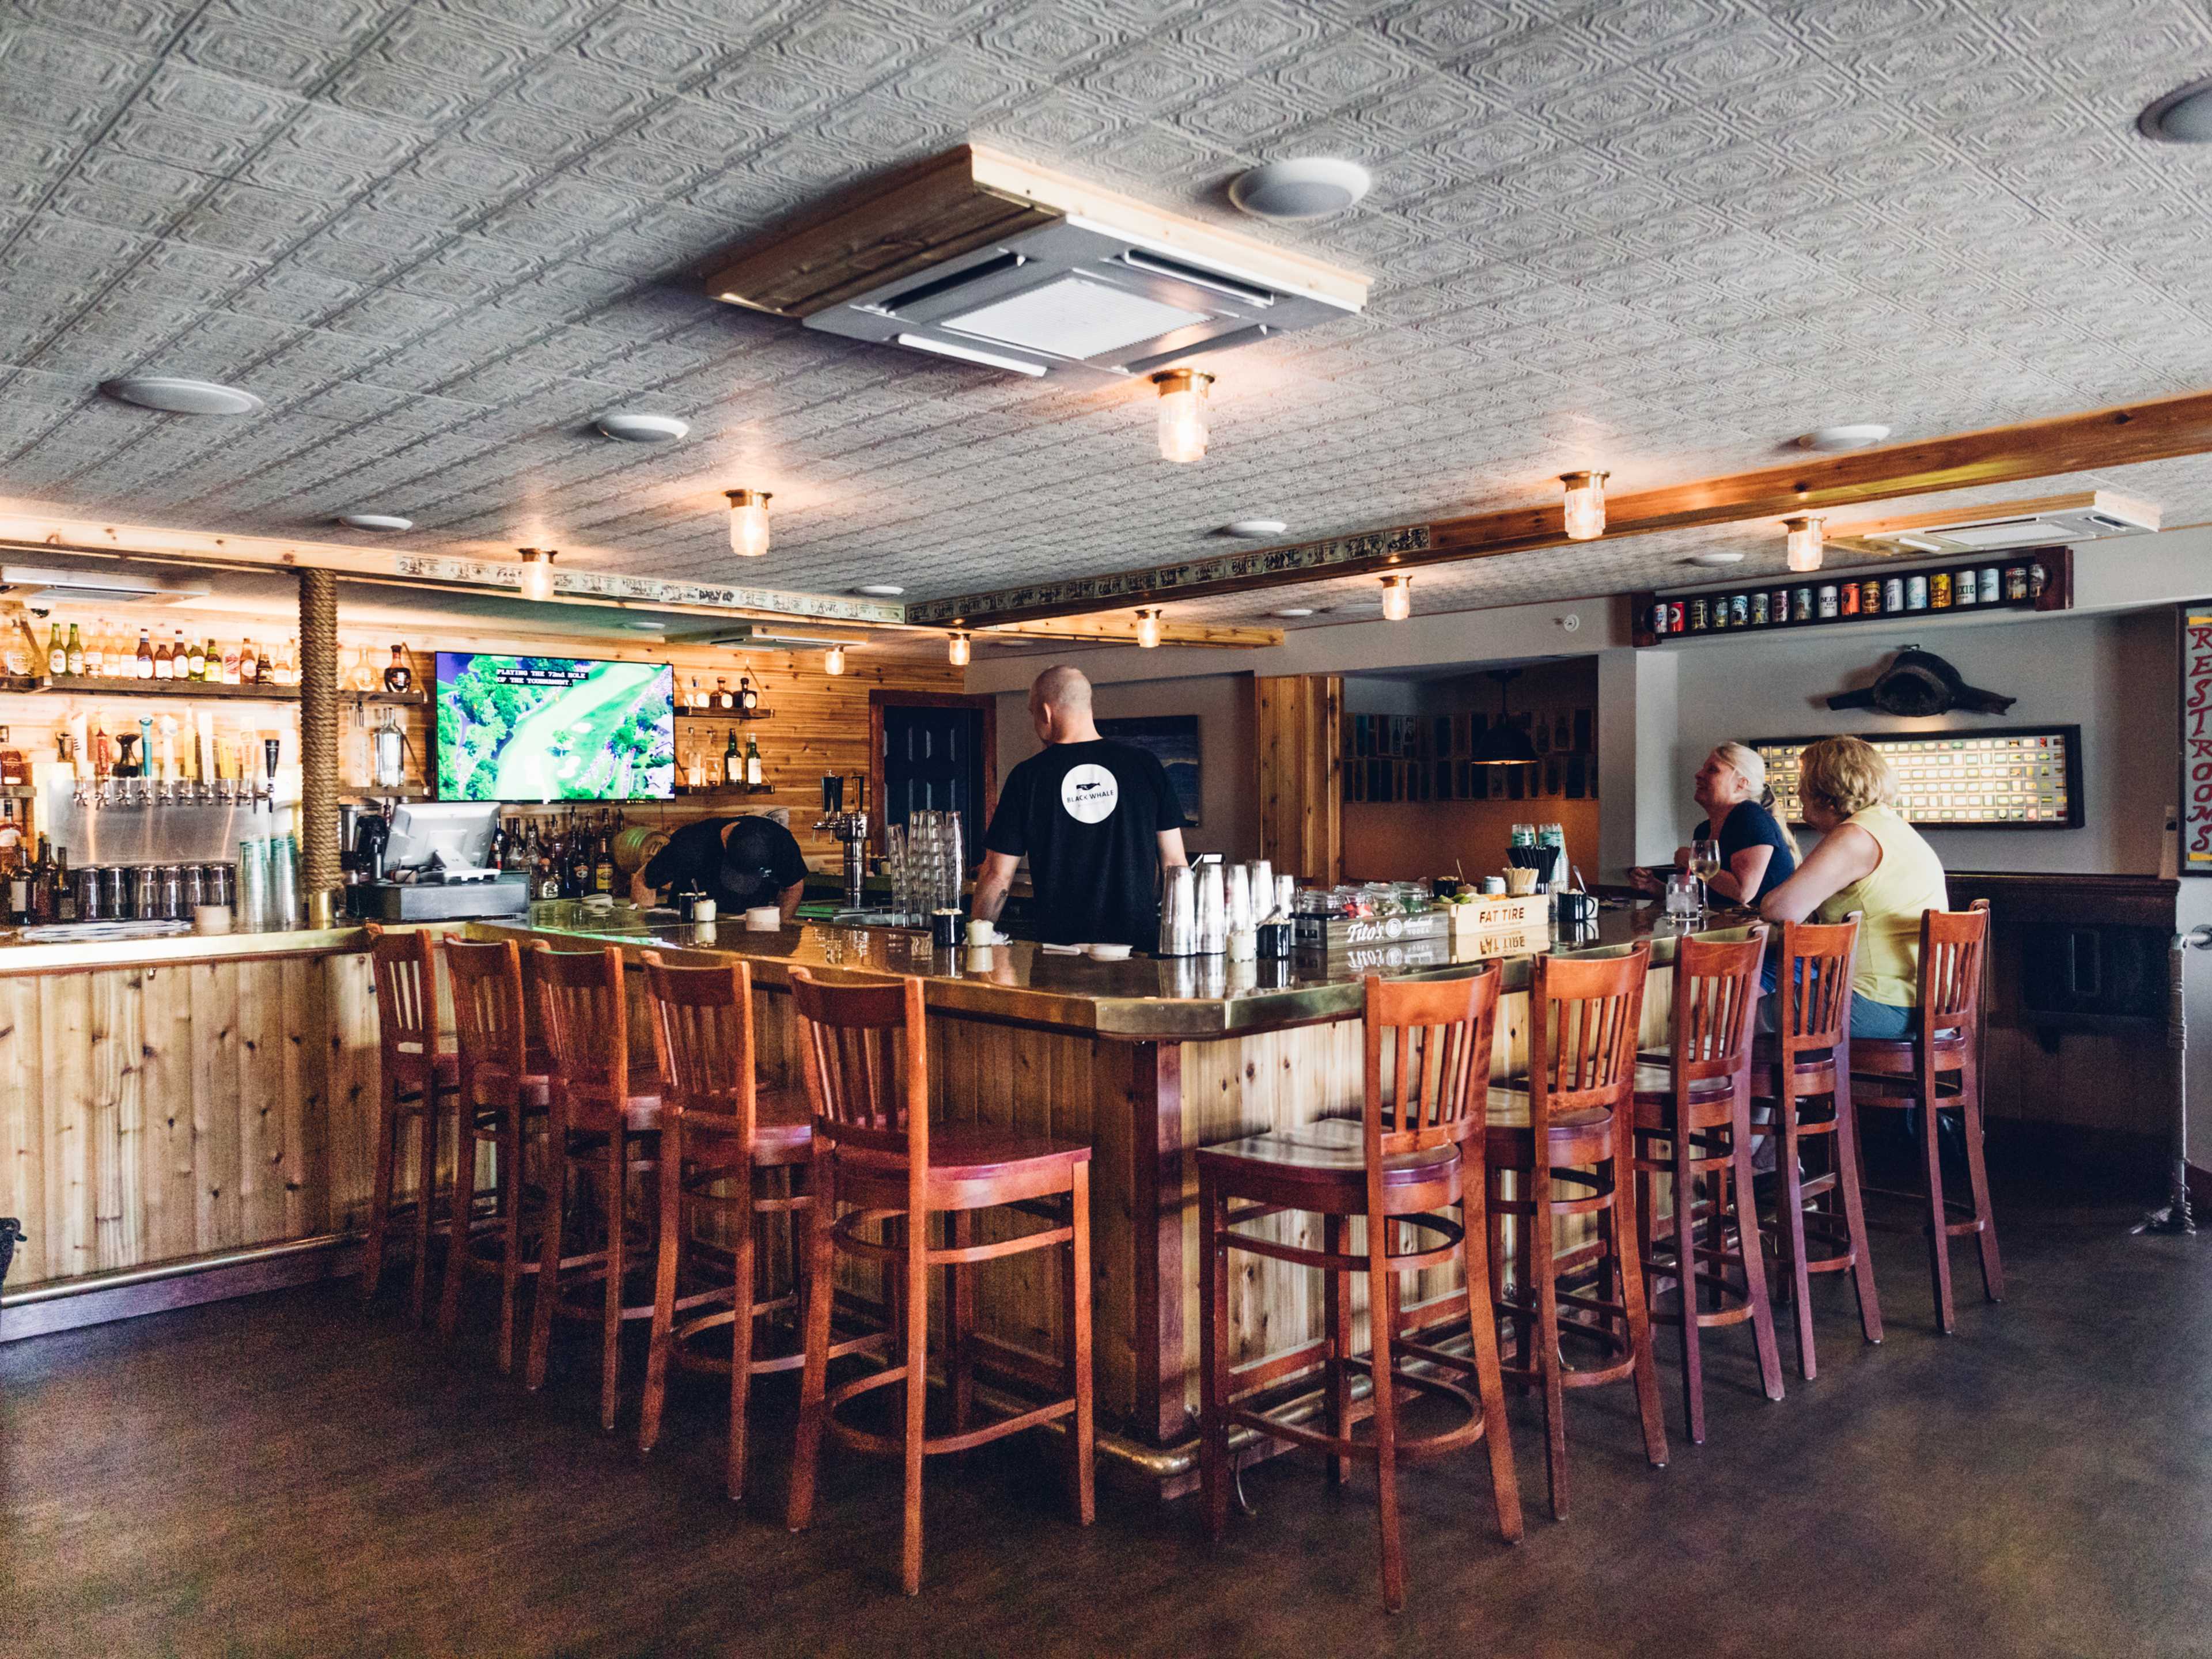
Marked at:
<point>1088,794</point>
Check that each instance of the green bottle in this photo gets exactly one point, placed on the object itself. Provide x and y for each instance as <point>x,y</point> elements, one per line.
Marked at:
<point>56,654</point>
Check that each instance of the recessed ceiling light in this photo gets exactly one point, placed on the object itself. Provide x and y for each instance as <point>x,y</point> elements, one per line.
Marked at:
<point>2184,116</point>
<point>388,523</point>
<point>880,590</point>
<point>1843,437</point>
<point>175,397</point>
<point>1716,556</point>
<point>1255,527</point>
<point>1306,187</point>
<point>635,428</point>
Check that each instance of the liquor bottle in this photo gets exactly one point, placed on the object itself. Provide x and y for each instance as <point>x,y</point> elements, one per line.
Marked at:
<point>698,698</point>
<point>64,902</point>
<point>13,772</point>
<point>11,833</point>
<point>398,677</point>
<point>145,657</point>
<point>56,654</point>
<point>722,699</point>
<point>730,772</point>
<point>95,655</point>
<point>165,665</point>
<point>603,866</point>
<point>73,654</point>
<point>249,663</point>
<point>230,665</point>
<point>753,773</point>
<point>19,887</point>
<point>747,698</point>
<point>195,662</point>
<point>180,657</point>
<point>547,882</point>
<point>579,864</point>
<point>40,879</point>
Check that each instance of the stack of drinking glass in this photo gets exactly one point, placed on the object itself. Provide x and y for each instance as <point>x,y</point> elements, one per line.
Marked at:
<point>927,864</point>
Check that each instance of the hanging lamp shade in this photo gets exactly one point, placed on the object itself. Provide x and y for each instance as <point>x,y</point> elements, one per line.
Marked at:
<point>1504,744</point>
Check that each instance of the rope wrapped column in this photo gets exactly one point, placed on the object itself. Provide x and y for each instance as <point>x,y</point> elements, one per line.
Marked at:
<point>319,742</point>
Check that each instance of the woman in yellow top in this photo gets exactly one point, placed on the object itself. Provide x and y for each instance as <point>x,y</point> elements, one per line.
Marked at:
<point>1870,860</point>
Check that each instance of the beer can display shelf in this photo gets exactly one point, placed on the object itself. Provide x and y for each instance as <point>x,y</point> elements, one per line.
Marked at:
<point>2028,579</point>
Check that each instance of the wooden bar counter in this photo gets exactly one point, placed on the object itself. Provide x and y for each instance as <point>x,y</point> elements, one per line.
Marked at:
<point>1146,1059</point>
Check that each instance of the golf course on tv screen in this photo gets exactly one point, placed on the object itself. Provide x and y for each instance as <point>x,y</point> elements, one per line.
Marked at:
<point>554,728</point>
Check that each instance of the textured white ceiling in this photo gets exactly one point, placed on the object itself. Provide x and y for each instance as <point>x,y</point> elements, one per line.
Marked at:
<point>1659,236</point>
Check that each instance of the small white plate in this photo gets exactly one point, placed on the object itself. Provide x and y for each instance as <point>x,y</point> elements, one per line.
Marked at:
<point>1110,952</point>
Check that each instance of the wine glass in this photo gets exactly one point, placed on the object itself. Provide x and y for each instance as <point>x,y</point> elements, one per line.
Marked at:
<point>1705,861</point>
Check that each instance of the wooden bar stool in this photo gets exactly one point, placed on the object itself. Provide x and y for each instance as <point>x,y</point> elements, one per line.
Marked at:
<point>505,1095</point>
<point>418,1083</point>
<point>717,1127</point>
<point>1693,1122</point>
<point>1562,1125</point>
<point>1807,1057</point>
<point>599,1126</point>
<point>867,1076</point>
<point>1415,1152</point>
<point>1939,1068</point>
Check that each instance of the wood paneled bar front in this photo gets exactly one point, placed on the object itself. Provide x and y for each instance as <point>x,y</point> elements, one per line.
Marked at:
<point>1147,1061</point>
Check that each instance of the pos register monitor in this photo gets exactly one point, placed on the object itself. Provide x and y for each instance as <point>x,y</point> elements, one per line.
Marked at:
<point>455,836</point>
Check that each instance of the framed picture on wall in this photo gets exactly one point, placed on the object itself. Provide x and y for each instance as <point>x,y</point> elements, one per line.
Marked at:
<point>1172,740</point>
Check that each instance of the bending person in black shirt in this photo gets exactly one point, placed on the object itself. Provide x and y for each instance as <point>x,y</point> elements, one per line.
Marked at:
<point>737,862</point>
<point>1098,819</point>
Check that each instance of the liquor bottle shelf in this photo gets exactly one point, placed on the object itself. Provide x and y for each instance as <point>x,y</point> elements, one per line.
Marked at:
<point>188,691</point>
<point>722,713</point>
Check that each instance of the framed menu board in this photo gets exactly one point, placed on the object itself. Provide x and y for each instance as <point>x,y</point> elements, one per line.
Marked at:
<point>1996,778</point>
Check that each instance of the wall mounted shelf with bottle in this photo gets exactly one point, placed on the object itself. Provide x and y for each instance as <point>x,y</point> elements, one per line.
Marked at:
<point>2023,579</point>
<point>390,699</point>
<point>720,790</point>
<point>723,714</point>
<point>186,690</point>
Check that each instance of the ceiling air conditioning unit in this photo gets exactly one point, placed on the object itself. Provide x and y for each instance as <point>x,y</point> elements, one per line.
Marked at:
<point>28,585</point>
<point>2046,521</point>
<point>974,256</point>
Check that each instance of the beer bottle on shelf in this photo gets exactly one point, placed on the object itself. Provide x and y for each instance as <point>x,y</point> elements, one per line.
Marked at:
<point>95,655</point>
<point>145,657</point>
<point>211,664</point>
<point>195,661</point>
<point>165,665</point>
<point>230,665</point>
<point>754,776</point>
<point>249,664</point>
<point>76,654</point>
<point>732,773</point>
<point>56,654</point>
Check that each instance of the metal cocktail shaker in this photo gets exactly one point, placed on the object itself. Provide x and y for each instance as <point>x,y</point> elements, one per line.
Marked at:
<point>1213,910</point>
<point>1179,912</point>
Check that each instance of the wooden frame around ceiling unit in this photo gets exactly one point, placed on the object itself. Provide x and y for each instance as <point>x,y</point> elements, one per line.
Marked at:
<point>2123,435</point>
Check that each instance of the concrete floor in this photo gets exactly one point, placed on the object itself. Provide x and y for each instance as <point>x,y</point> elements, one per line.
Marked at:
<point>289,1475</point>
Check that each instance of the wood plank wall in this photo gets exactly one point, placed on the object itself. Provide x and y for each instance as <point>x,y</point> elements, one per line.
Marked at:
<point>1295,718</point>
<point>150,1113</point>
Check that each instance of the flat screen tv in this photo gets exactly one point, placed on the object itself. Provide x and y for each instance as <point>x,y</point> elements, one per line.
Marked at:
<point>554,728</point>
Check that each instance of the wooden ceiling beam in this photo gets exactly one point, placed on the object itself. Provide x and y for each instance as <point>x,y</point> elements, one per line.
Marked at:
<point>2123,435</point>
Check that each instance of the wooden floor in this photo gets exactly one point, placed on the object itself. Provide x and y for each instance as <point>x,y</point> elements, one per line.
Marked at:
<point>289,1475</point>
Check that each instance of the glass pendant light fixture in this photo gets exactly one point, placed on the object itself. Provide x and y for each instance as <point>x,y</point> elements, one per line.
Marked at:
<point>748,522</point>
<point>1507,742</point>
<point>1183,413</point>
<point>1148,629</point>
<point>956,650</point>
<point>1805,538</point>
<point>833,661</point>
<point>1585,505</point>
<point>537,574</point>
<point>1397,598</point>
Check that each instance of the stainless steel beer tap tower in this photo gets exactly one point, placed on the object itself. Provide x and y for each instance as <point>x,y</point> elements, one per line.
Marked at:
<point>848,827</point>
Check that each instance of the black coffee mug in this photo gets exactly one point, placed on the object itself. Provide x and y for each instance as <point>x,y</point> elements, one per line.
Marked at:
<point>1577,910</point>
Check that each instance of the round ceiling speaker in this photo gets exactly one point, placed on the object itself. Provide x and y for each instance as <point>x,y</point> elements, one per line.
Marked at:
<point>1256,527</point>
<point>635,428</point>
<point>1309,187</point>
<point>385,523</point>
<point>175,397</point>
<point>1858,436</point>
<point>880,590</point>
<point>2184,116</point>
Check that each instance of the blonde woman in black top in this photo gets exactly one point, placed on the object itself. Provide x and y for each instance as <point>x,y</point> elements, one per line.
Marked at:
<point>1758,852</point>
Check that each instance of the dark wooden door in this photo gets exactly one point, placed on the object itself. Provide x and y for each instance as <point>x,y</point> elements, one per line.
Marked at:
<point>936,757</point>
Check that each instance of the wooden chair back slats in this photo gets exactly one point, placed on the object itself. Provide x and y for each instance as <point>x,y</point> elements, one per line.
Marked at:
<point>703,1031</point>
<point>1584,1012</point>
<point>866,1051</point>
<point>1428,1060</point>
<point>1716,1002</point>
<point>488,1018</point>
<point>1952,946</point>
<point>405,969</point>
<point>1815,986</point>
<point>586,1016</point>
